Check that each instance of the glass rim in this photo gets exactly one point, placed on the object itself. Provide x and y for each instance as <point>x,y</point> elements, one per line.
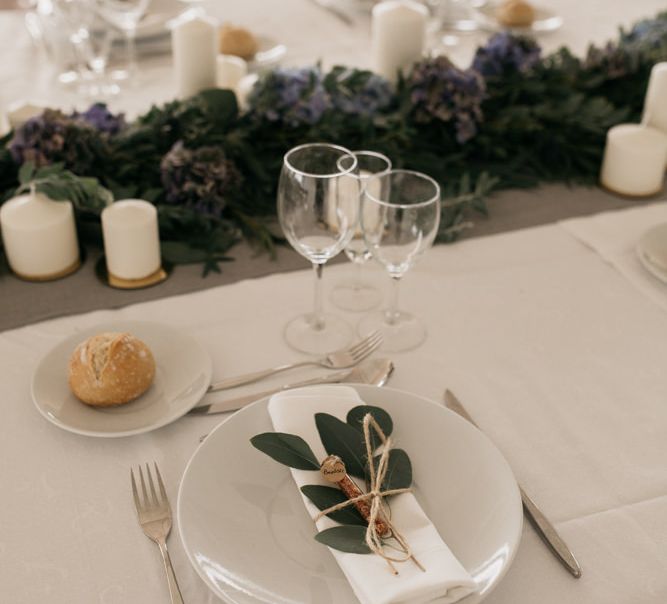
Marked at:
<point>344,150</point>
<point>421,175</point>
<point>375,154</point>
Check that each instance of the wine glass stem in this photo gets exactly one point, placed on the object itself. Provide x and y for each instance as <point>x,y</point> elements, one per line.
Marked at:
<point>318,315</point>
<point>392,313</point>
<point>130,41</point>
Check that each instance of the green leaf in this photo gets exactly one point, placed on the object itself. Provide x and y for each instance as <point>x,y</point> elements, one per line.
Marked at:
<point>399,470</point>
<point>355,418</point>
<point>26,172</point>
<point>343,440</point>
<point>326,497</point>
<point>287,449</point>
<point>350,539</point>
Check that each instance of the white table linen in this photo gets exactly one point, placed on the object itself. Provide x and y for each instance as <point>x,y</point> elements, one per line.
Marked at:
<point>557,357</point>
<point>614,235</point>
<point>443,580</point>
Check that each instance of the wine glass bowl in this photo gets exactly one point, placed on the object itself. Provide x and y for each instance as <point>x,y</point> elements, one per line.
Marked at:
<point>356,293</point>
<point>317,210</point>
<point>399,224</point>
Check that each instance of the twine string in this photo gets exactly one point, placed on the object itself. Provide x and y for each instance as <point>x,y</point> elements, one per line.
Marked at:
<point>378,507</point>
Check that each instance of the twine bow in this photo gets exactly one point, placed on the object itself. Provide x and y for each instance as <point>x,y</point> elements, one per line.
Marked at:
<point>378,508</point>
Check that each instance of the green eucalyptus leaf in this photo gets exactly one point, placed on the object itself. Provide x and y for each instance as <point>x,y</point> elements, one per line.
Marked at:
<point>287,449</point>
<point>399,470</point>
<point>326,497</point>
<point>355,418</point>
<point>26,172</point>
<point>343,440</point>
<point>350,539</point>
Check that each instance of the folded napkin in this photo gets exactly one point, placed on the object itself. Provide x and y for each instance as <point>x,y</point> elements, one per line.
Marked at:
<point>445,580</point>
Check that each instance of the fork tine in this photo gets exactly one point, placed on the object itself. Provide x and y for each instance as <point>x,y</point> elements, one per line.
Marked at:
<point>151,484</point>
<point>369,347</point>
<point>143,488</point>
<point>135,494</point>
<point>362,343</point>
<point>163,491</point>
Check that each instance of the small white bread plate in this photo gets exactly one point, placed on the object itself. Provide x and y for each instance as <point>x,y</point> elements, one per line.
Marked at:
<point>183,373</point>
<point>652,251</point>
<point>247,534</point>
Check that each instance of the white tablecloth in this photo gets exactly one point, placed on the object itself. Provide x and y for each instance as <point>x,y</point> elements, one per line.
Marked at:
<point>310,33</point>
<point>559,358</point>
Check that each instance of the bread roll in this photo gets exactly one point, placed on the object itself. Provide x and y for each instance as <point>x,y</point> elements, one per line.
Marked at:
<point>111,369</point>
<point>515,13</point>
<point>238,42</point>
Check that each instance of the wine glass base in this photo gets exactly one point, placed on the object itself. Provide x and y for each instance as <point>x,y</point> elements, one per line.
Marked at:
<point>301,335</point>
<point>355,296</point>
<point>406,333</point>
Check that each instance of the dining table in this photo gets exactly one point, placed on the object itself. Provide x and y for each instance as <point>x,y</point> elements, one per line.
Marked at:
<point>541,319</point>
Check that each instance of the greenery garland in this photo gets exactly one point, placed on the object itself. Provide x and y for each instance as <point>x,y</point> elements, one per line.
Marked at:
<point>514,118</point>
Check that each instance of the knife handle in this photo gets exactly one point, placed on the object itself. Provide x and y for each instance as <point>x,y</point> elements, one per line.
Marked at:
<point>240,401</point>
<point>550,535</point>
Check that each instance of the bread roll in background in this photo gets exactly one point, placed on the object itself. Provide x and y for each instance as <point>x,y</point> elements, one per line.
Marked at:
<point>111,369</point>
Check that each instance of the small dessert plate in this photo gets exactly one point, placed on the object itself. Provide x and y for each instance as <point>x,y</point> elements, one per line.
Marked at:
<point>269,55</point>
<point>249,537</point>
<point>545,20</point>
<point>652,251</point>
<point>183,373</point>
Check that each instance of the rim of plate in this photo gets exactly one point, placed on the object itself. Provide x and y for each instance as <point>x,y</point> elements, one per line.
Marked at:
<point>457,418</point>
<point>208,370</point>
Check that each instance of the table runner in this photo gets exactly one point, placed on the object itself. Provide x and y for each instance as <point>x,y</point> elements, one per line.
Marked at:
<point>22,303</point>
<point>558,358</point>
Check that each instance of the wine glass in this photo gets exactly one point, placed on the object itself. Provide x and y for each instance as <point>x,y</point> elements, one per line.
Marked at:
<point>399,231</point>
<point>125,15</point>
<point>317,209</point>
<point>356,294</point>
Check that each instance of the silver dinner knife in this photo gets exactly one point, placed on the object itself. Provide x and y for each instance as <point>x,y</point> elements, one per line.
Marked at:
<point>370,371</point>
<point>544,528</point>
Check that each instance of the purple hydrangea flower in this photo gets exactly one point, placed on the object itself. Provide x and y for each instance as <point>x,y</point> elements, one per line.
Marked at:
<point>650,32</point>
<point>291,96</point>
<point>201,179</point>
<point>359,92</point>
<point>505,53</point>
<point>441,91</point>
<point>100,118</point>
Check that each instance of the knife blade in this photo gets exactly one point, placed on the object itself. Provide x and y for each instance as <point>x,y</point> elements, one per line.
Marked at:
<point>370,371</point>
<point>540,522</point>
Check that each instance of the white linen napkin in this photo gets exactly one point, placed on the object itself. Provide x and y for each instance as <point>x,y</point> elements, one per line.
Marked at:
<point>445,580</point>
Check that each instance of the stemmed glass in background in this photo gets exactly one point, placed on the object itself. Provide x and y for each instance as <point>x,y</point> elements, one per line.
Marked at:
<point>125,15</point>
<point>356,294</point>
<point>399,226</point>
<point>318,204</point>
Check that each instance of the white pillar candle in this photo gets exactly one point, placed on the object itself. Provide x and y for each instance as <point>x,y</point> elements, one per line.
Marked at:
<point>655,104</point>
<point>398,33</point>
<point>231,70</point>
<point>39,236</point>
<point>634,160</point>
<point>131,239</point>
<point>194,40</point>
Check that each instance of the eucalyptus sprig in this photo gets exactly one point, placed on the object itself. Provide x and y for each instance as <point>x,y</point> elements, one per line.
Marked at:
<point>344,439</point>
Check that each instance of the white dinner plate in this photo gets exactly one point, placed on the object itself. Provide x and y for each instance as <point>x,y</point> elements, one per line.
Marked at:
<point>270,53</point>
<point>182,375</point>
<point>248,535</point>
<point>546,21</point>
<point>652,251</point>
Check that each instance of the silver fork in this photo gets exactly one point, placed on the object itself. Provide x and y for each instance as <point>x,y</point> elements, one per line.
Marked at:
<point>347,357</point>
<point>154,516</point>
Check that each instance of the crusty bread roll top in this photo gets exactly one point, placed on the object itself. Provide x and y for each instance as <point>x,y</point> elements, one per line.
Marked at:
<point>111,369</point>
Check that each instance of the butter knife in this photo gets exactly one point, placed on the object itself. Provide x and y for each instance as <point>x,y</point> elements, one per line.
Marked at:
<point>370,371</point>
<point>540,522</point>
